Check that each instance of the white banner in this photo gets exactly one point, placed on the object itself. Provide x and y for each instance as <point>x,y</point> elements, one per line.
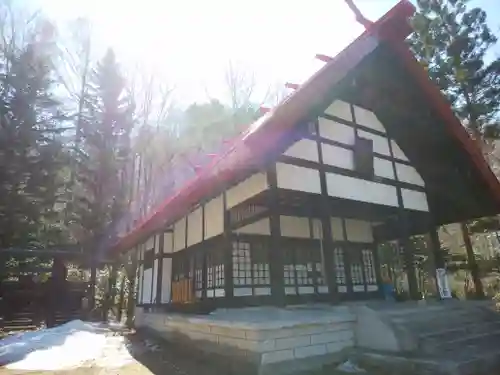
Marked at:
<point>443,285</point>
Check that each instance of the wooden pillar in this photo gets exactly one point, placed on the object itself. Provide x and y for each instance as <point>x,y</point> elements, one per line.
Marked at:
<point>471,261</point>
<point>276,248</point>
<point>203,257</point>
<point>159,275</point>
<point>437,252</point>
<point>228,257</point>
<point>327,245</point>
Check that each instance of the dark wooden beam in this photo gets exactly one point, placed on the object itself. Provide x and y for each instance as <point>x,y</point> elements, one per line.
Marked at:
<point>326,232</point>
<point>276,250</point>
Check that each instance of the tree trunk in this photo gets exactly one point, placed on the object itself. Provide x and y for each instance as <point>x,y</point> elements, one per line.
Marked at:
<point>131,292</point>
<point>471,260</point>
<point>92,283</point>
<point>121,297</point>
<point>109,299</point>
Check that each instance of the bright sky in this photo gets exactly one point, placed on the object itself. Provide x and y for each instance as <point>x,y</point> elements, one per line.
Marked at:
<point>189,42</point>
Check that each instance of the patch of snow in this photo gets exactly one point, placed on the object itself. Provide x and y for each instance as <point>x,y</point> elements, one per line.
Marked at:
<point>68,346</point>
<point>350,368</point>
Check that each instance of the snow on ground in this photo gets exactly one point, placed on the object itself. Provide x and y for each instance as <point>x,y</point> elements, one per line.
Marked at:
<point>71,345</point>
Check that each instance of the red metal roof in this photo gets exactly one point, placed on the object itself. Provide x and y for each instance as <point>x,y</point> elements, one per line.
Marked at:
<point>252,146</point>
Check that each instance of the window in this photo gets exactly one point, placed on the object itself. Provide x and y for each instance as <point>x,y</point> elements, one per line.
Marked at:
<point>357,277</point>
<point>302,267</point>
<point>198,274</point>
<point>339,266</point>
<point>363,157</point>
<point>215,273</point>
<point>242,265</point>
<point>260,264</point>
<point>251,274</point>
<point>369,266</point>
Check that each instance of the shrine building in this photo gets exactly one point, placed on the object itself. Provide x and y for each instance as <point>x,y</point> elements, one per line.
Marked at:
<point>365,151</point>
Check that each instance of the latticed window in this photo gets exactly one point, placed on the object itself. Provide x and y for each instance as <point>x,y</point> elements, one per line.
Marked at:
<point>251,267</point>
<point>215,269</point>
<point>198,272</point>
<point>242,263</point>
<point>357,276</point>
<point>339,264</point>
<point>369,265</point>
<point>260,264</point>
<point>302,267</point>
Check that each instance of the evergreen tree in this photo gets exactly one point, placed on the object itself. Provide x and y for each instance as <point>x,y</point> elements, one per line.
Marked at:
<point>452,41</point>
<point>31,150</point>
<point>104,151</point>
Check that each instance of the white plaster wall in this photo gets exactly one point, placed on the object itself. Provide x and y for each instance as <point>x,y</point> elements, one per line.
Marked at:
<point>304,149</point>
<point>168,242</point>
<point>246,189</point>
<point>180,234</point>
<point>337,156</point>
<point>317,229</point>
<point>359,231</point>
<point>259,227</point>
<point>335,131</point>
<point>154,280</point>
<point>297,227</point>
<point>397,152</point>
<point>166,280</point>
<point>368,118</point>
<point>337,228</point>
<point>146,286</point>
<point>195,227</point>
<point>407,173</point>
<point>298,178</point>
<point>214,217</point>
<point>340,109</point>
<point>383,168</point>
<point>361,190</point>
<point>414,200</point>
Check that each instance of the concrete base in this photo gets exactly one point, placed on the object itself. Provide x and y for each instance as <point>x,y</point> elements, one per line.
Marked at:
<point>264,340</point>
<point>453,337</point>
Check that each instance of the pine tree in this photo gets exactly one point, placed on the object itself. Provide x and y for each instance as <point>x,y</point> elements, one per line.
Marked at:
<point>452,41</point>
<point>106,124</point>
<point>31,150</point>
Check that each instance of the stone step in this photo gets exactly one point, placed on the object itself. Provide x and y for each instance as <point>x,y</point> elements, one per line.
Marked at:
<point>468,344</point>
<point>456,333</point>
<point>437,323</point>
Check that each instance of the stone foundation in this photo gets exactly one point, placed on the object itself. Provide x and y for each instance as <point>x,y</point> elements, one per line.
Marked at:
<point>270,340</point>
